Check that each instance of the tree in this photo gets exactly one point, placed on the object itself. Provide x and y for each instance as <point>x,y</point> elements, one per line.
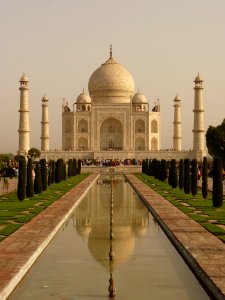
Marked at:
<point>59,170</point>
<point>79,166</point>
<point>174,177</point>
<point>187,176</point>
<point>181,174</point>
<point>194,177</point>
<point>43,174</point>
<point>18,157</point>
<point>21,190</point>
<point>164,169</point>
<point>205,178</point>
<point>215,141</point>
<point>37,179</point>
<point>30,182</point>
<point>217,196</point>
<point>34,154</point>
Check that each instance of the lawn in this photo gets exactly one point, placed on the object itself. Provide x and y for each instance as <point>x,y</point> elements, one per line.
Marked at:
<point>14,214</point>
<point>196,207</point>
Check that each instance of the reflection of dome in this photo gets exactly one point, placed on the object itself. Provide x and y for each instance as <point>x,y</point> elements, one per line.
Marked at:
<point>83,98</point>
<point>111,79</point>
<point>139,98</point>
<point>122,247</point>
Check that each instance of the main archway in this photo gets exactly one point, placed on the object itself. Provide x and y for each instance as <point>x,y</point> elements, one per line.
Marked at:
<point>111,135</point>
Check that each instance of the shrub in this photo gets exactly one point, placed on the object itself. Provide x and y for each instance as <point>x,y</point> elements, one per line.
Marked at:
<point>21,190</point>
<point>217,196</point>
<point>205,178</point>
<point>194,177</point>
<point>30,182</point>
<point>187,176</point>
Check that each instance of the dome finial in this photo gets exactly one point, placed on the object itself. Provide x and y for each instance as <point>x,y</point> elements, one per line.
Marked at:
<point>111,51</point>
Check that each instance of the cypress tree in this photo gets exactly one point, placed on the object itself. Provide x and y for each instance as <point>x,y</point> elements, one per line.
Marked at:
<point>37,179</point>
<point>164,170</point>
<point>174,178</point>
<point>194,176</point>
<point>30,182</point>
<point>187,176</point>
<point>49,172</point>
<point>75,167</point>
<point>58,171</point>
<point>205,178</point>
<point>21,189</point>
<point>143,166</point>
<point>149,168</point>
<point>217,195</point>
<point>170,174</point>
<point>53,172</point>
<point>181,174</point>
<point>64,171</point>
<point>79,166</point>
<point>43,174</point>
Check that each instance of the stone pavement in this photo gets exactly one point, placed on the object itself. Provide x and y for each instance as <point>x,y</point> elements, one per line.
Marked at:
<point>20,250</point>
<point>203,252</point>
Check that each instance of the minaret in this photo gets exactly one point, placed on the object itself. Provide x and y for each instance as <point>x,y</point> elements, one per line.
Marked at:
<point>198,130</point>
<point>24,128</point>
<point>177,125</point>
<point>44,125</point>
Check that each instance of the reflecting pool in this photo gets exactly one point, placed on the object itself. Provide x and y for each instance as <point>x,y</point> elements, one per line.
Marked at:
<point>110,245</point>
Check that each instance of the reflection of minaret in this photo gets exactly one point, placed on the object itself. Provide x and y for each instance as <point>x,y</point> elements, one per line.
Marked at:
<point>24,128</point>
<point>198,130</point>
<point>177,125</point>
<point>44,125</point>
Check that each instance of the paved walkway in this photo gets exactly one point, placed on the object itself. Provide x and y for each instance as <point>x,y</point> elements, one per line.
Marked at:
<point>204,252</point>
<point>20,250</point>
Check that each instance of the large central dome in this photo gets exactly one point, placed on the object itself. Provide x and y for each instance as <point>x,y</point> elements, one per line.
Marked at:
<point>111,80</point>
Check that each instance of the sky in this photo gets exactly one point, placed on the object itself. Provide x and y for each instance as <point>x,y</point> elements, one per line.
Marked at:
<point>60,43</point>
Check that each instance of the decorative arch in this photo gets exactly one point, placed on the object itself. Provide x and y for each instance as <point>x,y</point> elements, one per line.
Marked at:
<point>68,143</point>
<point>139,126</point>
<point>154,126</point>
<point>111,134</point>
<point>82,126</point>
<point>139,144</point>
<point>154,144</point>
<point>82,143</point>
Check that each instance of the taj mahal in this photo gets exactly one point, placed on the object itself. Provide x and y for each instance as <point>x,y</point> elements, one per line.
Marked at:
<point>112,121</point>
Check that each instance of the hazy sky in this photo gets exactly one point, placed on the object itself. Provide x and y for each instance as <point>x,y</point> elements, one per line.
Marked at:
<point>59,43</point>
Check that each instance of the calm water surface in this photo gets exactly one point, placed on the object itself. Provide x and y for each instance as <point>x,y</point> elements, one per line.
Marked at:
<point>76,265</point>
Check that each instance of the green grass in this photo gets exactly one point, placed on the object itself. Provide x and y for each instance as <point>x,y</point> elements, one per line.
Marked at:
<point>13,213</point>
<point>201,210</point>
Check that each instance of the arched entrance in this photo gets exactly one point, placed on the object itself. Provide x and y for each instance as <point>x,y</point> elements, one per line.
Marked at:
<point>111,135</point>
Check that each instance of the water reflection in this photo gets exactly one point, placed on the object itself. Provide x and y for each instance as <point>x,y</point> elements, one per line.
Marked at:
<point>92,221</point>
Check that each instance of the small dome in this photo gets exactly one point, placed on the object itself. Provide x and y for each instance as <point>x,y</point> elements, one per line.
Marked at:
<point>177,98</point>
<point>198,78</point>
<point>111,79</point>
<point>139,98</point>
<point>84,98</point>
<point>45,98</point>
<point>24,78</point>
